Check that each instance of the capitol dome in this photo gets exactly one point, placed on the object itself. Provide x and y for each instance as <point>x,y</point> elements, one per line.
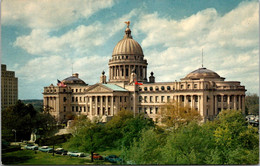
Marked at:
<point>74,79</point>
<point>127,46</point>
<point>202,73</point>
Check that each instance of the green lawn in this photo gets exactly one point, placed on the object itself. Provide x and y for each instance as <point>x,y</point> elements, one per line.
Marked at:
<point>28,157</point>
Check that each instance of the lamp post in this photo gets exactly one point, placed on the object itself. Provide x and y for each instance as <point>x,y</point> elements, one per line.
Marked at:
<point>13,130</point>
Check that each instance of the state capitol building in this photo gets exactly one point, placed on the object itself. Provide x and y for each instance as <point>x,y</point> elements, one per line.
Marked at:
<point>128,87</point>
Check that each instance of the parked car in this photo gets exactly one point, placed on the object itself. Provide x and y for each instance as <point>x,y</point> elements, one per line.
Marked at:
<point>61,151</point>
<point>113,159</point>
<point>76,154</point>
<point>31,147</point>
<point>46,149</point>
<point>96,156</point>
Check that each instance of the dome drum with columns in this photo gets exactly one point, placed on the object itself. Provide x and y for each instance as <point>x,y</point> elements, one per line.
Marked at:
<point>127,88</point>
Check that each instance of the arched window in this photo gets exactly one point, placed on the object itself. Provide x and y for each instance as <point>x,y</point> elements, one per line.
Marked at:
<point>151,88</point>
<point>168,88</point>
<point>145,88</point>
<point>162,87</point>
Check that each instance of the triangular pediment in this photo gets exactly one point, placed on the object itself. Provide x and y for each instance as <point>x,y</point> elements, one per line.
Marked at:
<point>98,88</point>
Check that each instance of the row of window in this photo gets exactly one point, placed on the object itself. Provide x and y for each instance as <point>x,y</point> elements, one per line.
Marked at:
<point>83,99</point>
<point>163,88</point>
<point>149,110</point>
<point>156,99</point>
<point>83,109</point>
<point>126,57</point>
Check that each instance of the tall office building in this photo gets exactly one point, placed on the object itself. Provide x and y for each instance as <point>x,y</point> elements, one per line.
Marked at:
<point>9,87</point>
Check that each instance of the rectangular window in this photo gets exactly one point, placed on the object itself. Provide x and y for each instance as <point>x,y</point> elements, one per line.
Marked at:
<point>108,111</point>
<point>140,110</point>
<point>145,110</point>
<point>64,108</point>
<point>72,108</point>
<point>145,99</point>
<point>168,98</point>
<point>108,98</point>
<point>195,85</point>
<point>98,99</point>
<point>156,110</point>
<point>219,98</point>
<point>225,98</point>
<point>76,99</point>
<point>120,99</point>
<point>196,98</point>
<point>84,109</point>
<point>72,99</point>
<point>80,99</point>
<point>151,99</point>
<point>77,109</point>
<point>162,99</point>
<point>156,99</point>
<point>151,110</point>
<point>140,99</point>
<point>125,98</point>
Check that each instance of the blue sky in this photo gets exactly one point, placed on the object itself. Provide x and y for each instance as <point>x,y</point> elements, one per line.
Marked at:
<point>42,39</point>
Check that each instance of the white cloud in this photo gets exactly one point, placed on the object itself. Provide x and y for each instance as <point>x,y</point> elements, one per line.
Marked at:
<point>42,14</point>
<point>77,41</point>
<point>230,44</point>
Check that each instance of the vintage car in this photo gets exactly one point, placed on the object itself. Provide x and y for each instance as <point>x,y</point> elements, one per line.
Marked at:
<point>61,151</point>
<point>96,156</point>
<point>76,154</point>
<point>113,159</point>
<point>31,147</point>
<point>46,149</point>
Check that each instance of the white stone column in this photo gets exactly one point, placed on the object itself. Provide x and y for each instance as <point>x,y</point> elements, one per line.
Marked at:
<point>86,105</point>
<point>228,101</point>
<point>91,106</point>
<point>185,100</point>
<point>192,102</point>
<point>101,105</point>
<point>199,106</point>
<point>124,72</point>
<point>235,102</point>
<point>222,101</point>
<point>96,105</point>
<point>112,105</point>
<point>216,105</point>
<point>107,104</point>
<point>239,102</point>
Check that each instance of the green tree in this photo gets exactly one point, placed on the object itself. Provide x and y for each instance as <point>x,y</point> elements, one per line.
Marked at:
<point>252,104</point>
<point>188,144</point>
<point>147,150</point>
<point>235,140</point>
<point>87,136</point>
<point>114,126</point>
<point>132,129</point>
<point>24,119</point>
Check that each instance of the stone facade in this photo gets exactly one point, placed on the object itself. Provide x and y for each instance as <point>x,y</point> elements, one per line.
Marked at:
<point>201,89</point>
<point>9,87</point>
